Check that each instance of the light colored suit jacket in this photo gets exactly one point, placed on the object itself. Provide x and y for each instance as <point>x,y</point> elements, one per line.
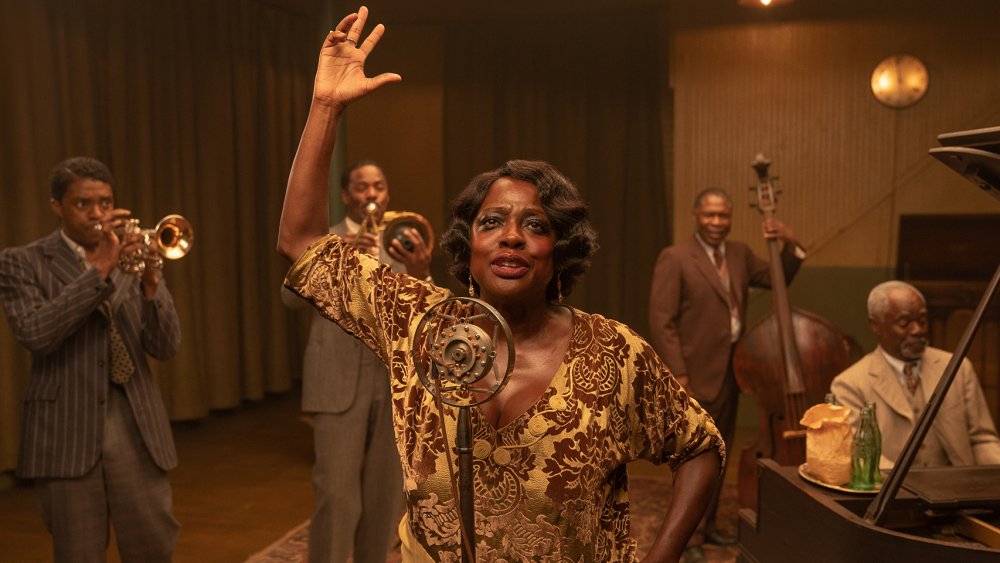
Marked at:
<point>963,424</point>
<point>689,311</point>
<point>334,360</point>
<point>52,304</point>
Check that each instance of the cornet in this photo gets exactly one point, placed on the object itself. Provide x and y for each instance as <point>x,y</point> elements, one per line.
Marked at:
<point>173,235</point>
<point>393,224</point>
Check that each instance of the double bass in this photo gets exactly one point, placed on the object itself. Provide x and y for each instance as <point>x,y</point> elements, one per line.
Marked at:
<point>786,361</point>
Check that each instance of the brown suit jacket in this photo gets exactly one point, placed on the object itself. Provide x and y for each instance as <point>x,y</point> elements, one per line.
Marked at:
<point>963,424</point>
<point>52,304</point>
<point>689,313</point>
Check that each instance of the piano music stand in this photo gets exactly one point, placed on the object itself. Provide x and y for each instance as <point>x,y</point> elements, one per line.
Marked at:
<point>974,155</point>
<point>969,486</point>
<point>978,162</point>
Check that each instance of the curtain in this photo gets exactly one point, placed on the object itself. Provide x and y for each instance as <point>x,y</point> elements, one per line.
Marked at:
<point>196,106</point>
<point>583,93</point>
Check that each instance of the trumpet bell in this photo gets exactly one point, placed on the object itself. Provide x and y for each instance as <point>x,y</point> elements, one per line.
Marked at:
<point>396,222</point>
<point>174,236</point>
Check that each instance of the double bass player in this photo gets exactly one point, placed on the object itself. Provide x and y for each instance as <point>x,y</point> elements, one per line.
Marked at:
<point>697,312</point>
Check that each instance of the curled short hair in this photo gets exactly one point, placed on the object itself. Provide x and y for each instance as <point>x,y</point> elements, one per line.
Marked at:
<point>878,297</point>
<point>75,168</point>
<point>576,239</point>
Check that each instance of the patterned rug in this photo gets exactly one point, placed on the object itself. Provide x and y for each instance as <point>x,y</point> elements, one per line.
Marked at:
<point>649,497</point>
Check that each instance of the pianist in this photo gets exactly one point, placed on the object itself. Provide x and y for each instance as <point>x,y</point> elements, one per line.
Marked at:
<point>901,375</point>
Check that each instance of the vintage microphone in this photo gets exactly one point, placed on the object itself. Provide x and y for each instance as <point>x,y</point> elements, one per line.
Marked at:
<point>454,355</point>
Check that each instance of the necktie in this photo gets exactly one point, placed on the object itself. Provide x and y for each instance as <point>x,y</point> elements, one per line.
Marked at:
<point>909,373</point>
<point>121,363</point>
<point>720,265</point>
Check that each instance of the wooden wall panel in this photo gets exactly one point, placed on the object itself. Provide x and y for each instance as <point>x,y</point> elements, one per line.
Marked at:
<point>798,91</point>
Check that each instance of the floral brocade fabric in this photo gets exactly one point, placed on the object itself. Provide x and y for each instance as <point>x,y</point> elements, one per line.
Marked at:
<point>552,484</point>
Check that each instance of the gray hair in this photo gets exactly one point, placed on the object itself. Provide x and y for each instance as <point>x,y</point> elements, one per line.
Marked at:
<point>719,192</point>
<point>878,298</point>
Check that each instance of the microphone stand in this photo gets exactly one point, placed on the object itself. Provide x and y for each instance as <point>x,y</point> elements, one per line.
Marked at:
<point>452,355</point>
<point>463,443</point>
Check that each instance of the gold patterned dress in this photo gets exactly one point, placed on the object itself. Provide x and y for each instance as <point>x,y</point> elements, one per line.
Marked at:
<point>552,484</point>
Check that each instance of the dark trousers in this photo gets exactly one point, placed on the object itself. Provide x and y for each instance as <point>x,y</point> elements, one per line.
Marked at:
<point>125,488</point>
<point>723,410</point>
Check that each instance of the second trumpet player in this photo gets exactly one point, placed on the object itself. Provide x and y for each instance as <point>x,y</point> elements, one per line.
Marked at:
<point>345,389</point>
<point>403,236</point>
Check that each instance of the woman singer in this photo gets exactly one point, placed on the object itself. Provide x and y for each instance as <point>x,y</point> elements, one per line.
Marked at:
<point>586,396</point>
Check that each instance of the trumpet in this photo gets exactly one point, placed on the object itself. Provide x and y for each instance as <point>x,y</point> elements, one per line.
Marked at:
<point>393,224</point>
<point>370,224</point>
<point>173,236</point>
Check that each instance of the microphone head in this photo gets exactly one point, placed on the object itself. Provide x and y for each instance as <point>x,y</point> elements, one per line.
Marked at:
<point>455,349</point>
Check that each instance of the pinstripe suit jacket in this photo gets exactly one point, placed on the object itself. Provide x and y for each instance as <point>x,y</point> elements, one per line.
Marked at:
<point>334,361</point>
<point>52,304</point>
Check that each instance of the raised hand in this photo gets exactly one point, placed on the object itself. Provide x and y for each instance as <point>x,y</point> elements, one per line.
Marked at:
<point>340,79</point>
<point>340,74</point>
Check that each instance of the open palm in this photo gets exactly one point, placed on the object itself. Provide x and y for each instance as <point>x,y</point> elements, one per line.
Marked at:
<point>340,75</point>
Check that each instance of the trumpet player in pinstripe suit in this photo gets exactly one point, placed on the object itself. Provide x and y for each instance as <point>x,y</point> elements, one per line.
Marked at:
<point>95,435</point>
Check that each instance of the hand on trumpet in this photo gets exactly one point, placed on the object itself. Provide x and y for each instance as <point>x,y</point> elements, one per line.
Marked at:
<point>104,256</point>
<point>151,273</point>
<point>416,256</point>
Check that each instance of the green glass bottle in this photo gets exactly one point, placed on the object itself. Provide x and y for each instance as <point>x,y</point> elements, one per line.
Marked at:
<point>878,443</point>
<point>866,451</point>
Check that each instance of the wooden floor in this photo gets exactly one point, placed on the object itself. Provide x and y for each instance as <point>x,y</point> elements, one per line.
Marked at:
<point>243,481</point>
